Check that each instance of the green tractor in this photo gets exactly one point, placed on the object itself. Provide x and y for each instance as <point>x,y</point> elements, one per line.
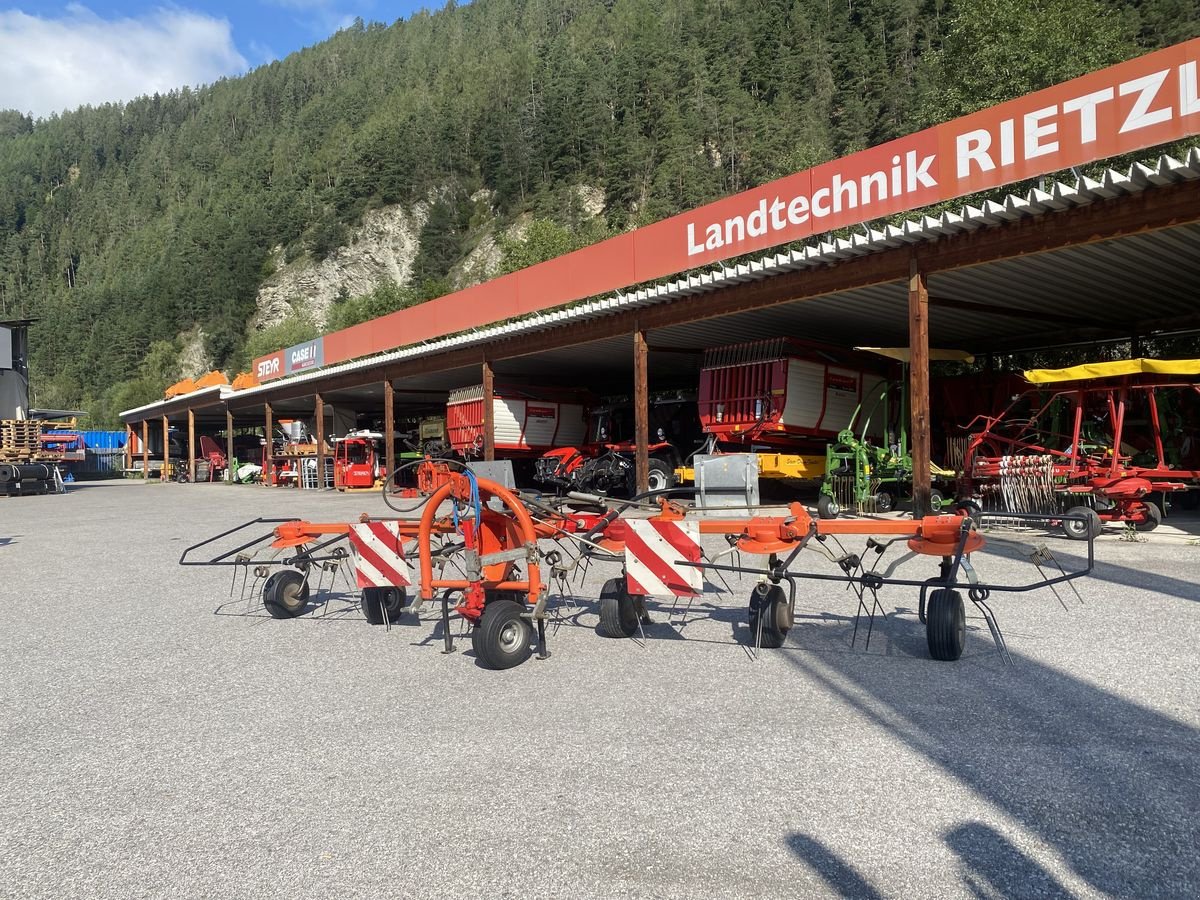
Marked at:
<point>869,468</point>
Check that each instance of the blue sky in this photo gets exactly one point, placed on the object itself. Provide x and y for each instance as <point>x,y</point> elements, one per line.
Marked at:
<point>57,55</point>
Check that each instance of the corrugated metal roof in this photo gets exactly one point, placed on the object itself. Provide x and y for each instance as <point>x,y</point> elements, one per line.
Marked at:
<point>218,389</point>
<point>1031,272</point>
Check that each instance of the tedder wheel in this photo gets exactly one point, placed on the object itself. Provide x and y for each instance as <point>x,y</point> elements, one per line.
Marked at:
<point>286,594</point>
<point>1081,531</point>
<point>618,610</point>
<point>884,502</point>
<point>771,603</point>
<point>661,477</point>
<point>945,624</point>
<point>383,604</point>
<point>502,638</point>
<point>1153,517</point>
<point>827,507</point>
<point>937,501</point>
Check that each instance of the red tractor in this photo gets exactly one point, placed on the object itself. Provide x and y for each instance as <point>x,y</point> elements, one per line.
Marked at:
<point>605,462</point>
<point>1106,442</point>
<point>358,460</point>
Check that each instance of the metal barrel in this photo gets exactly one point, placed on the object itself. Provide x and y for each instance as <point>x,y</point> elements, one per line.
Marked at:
<point>39,471</point>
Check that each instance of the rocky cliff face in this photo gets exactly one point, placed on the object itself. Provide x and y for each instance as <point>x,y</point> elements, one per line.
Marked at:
<point>381,249</point>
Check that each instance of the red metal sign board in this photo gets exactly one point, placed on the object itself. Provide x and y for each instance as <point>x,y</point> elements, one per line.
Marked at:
<point>1136,104</point>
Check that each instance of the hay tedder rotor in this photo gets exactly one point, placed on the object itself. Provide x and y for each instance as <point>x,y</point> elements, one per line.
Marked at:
<point>493,556</point>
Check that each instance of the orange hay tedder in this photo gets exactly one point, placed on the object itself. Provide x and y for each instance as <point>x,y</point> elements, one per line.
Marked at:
<point>492,555</point>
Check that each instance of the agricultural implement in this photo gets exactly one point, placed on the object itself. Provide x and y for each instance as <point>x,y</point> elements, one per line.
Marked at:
<point>866,474</point>
<point>605,462</point>
<point>507,550</point>
<point>1107,442</point>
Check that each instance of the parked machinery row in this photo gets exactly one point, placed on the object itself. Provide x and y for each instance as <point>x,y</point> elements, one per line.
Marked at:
<point>1111,442</point>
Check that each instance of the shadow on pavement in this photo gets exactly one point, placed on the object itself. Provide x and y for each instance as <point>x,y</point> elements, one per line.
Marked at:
<point>998,868</point>
<point>1111,785</point>
<point>839,875</point>
<point>1142,579</point>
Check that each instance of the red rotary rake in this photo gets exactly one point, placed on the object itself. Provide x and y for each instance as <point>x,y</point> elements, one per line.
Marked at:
<point>507,549</point>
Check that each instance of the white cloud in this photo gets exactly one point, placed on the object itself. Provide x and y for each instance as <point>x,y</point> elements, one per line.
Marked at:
<point>50,64</point>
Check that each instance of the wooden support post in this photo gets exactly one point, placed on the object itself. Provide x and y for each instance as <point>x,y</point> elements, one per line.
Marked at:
<point>489,412</point>
<point>145,449</point>
<point>918,385</point>
<point>164,475</point>
<point>320,415</point>
<point>191,445</point>
<point>268,462</point>
<point>641,410</point>
<point>389,426</point>
<point>229,445</point>
<point>128,447</point>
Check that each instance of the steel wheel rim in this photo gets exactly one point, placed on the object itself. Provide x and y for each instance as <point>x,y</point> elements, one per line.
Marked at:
<point>657,480</point>
<point>511,636</point>
<point>290,595</point>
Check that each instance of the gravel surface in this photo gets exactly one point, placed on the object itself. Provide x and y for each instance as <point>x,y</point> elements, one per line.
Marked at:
<point>159,740</point>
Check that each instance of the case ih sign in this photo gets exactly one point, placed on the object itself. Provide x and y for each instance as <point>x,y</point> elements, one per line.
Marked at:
<point>293,360</point>
<point>1146,101</point>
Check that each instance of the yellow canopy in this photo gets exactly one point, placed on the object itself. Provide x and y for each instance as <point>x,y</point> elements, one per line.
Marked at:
<point>1115,368</point>
<point>903,354</point>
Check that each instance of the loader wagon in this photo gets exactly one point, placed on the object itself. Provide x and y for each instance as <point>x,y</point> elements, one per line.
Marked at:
<point>783,393</point>
<point>527,421</point>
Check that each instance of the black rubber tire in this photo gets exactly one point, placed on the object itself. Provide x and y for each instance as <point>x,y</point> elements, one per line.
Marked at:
<point>618,610</point>
<point>945,624</point>
<point>965,506</point>
<point>1077,532</point>
<point>776,615</point>
<point>661,475</point>
<point>885,501</point>
<point>285,595</point>
<point>1153,517</point>
<point>385,604</point>
<point>827,507</point>
<point>937,502</point>
<point>502,639</point>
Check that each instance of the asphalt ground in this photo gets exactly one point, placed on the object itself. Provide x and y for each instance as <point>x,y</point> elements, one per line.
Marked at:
<point>159,740</point>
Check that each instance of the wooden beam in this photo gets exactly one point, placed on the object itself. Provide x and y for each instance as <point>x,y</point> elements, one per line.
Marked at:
<point>1012,312</point>
<point>918,385</point>
<point>269,446</point>
<point>229,445</point>
<point>641,411</point>
<point>166,456</point>
<point>320,415</point>
<point>389,426</point>
<point>128,446</point>
<point>489,412</point>
<point>145,449</point>
<point>191,445</point>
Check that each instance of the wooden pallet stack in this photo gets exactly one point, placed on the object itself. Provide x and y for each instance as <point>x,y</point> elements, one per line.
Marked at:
<point>20,439</point>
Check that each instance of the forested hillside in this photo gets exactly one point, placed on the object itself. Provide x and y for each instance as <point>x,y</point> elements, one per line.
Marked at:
<point>126,226</point>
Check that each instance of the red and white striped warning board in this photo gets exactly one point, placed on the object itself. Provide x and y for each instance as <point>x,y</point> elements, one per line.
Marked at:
<point>378,555</point>
<point>652,554</point>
